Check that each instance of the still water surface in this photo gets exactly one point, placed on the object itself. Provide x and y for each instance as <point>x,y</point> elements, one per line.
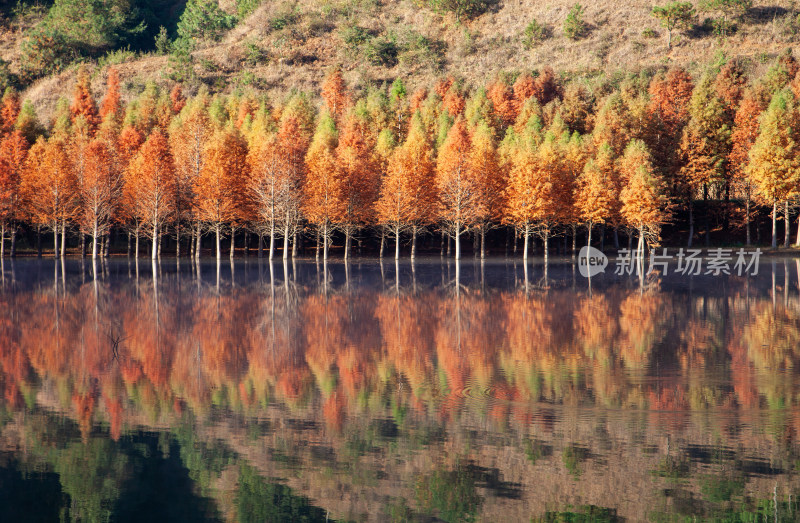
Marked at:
<point>383,392</point>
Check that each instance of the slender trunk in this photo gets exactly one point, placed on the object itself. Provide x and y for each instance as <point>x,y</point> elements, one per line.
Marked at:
<point>347,243</point>
<point>2,239</point>
<point>397,242</point>
<point>774,225</point>
<point>441,249</point>
<point>786,225</point>
<point>137,243</point>
<point>55,240</point>
<point>13,241</point>
<point>546,246</point>
<point>286,241</point>
<point>260,245</point>
<point>294,245</point>
<point>483,242</point>
<point>449,243</point>
<point>383,242</point>
<point>63,239</point>
<point>747,220</point>
<point>154,253</point>
<point>640,248</point>
<point>94,243</point>
<point>107,249</point>
<point>219,246</point>
<point>325,242</point>
<point>83,245</point>
<point>199,243</point>
<point>271,241</point>
<point>574,239</point>
<point>246,243</point>
<point>796,243</point>
<point>317,251</point>
<point>413,241</point>
<point>129,245</point>
<point>589,234</point>
<point>38,241</point>
<point>233,242</point>
<point>458,241</point>
<point>525,244</point>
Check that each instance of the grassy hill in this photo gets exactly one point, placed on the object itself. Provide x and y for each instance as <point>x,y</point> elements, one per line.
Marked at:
<point>283,45</point>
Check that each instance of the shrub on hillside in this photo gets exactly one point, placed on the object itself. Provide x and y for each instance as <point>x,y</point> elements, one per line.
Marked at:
<point>574,25</point>
<point>534,34</point>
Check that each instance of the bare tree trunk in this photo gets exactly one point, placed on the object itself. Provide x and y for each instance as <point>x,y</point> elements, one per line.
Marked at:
<point>55,240</point>
<point>199,246</point>
<point>441,250</point>
<point>154,253</point>
<point>347,243</point>
<point>483,242</point>
<point>246,243</point>
<point>2,239</point>
<point>294,245</point>
<point>129,244</point>
<point>546,239</point>
<point>286,241</point>
<point>94,243</point>
<point>83,245</point>
<point>786,225</point>
<point>177,242</point>
<point>397,242</point>
<point>774,225</point>
<point>458,241</point>
<point>260,245</point>
<point>219,246</point>
<point>271,241</point>
<point>525,244</point>
<point>325,242</point>
<point>233,241</point>
<point>383,242</point>
<point>137,243</point>
<point>747,221</point>
<point>589,234</point>
<point>13,253</point>
<point>317,254</point>
<point>413,241</point>
<point>63,239</point>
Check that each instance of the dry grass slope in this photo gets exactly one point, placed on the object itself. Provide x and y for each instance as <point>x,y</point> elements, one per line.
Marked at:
<point>287,45</point>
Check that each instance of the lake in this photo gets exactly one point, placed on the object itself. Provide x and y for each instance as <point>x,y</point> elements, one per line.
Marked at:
<point>376,391</point>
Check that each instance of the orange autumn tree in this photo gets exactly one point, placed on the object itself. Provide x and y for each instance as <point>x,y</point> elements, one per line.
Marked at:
<point>322,191</point>
<point>334,92</point>
<point>598,190</point>
<point>10,107</point>
<point>13,150</point>
<point>83,104</point>
<point>190,134</point>
<point>535,192</point>
<point>460,191</point>
<point>358,174</point>
<point>407,196</point>
<point>49,187</point>
<point>150,183</point>
<point>745,132</point>
<point>221,184</point>
<point>99,193</point>
<point>644,205</point>
<point>266,162</point>
<point>491,180</point>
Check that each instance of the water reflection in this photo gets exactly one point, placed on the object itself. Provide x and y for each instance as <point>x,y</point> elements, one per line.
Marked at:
<point>371,390</point>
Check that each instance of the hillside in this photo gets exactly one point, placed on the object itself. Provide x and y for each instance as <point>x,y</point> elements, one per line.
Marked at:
<point>284,45</point>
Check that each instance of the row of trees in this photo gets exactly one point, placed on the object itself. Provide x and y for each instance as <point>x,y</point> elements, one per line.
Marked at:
<point>538,156</point>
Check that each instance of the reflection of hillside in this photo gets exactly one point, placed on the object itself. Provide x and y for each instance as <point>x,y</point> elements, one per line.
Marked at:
<point>350,393</point>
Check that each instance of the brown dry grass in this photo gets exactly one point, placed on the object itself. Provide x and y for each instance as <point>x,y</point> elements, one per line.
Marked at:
<point>300,54</point>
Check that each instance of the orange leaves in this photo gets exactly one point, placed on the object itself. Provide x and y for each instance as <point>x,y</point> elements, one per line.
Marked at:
<point>459,189</point>
<point>407,191</point>
<point>49,184</point>
<point>358,171</point>
<point>13,149</point>
<point>150,184</point>
<point>643,203</point>
<point>222,180</point>
<point>83,104</point>
<point>111,106</point>
<point>323,188</point>
<point>334,92</point>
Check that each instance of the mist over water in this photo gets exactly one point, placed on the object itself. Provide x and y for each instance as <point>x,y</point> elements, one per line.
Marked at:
<point>258,391</point>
